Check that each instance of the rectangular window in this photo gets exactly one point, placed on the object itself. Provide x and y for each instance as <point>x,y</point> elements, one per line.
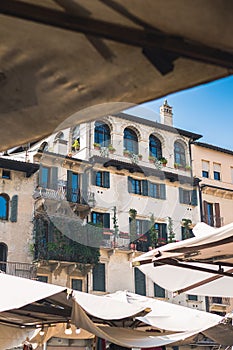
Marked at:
<point>73,192</point>
<point>188,196</point>
<point>101,219</point>
<point>192,297</point>
<point>217,175</point>
<point>48,177</point>
<point>157,190</point>
<point>159,292</point>
<point>6,174</point>
<point>140,282</point>
<point>42,278</point>
<point>142,227</point>
<point>77,284</point>
<point>205,168</point>
<point>137,186</point>
<point>205,173</point>
<point>161,233</point>
<point>99,278</point>
<point>101,179</point>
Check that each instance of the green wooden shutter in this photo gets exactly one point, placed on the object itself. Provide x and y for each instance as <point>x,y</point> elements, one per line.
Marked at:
<point>159,292</point>
<point>164,231</point>
<point>14,208</point>
<point>162,191</point>
<point>106,220</point>
<point>144,187</point>
<point>77,284</point>
<point>40,176</point>
<point>194,197</point>
<point>99,278</point>
<point>106,176</point>
<point>181,199</point>
<point>140,282</point>
<point>84,189</point>
<point>53,178</point>
<point>145,226</point>
<point>93,177</point>
<point>130,189</point>
<point>69,185</point>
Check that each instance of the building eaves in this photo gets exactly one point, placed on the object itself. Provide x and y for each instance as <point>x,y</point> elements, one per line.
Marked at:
<point>134,119</point>
<point>215,148</point>
<point>10,164</point>
<point>147,171</point>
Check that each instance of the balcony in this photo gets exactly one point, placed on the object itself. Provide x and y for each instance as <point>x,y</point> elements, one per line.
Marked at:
<point>219,304</point>
<point>18,269</point>
<point>75,196</point>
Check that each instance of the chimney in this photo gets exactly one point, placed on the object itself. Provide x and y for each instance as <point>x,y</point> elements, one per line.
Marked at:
<point>166,114</point>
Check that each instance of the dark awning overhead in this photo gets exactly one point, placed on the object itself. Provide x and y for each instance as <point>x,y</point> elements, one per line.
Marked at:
<point>69,55</point>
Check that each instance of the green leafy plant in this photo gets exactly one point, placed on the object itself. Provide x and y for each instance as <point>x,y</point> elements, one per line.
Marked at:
<point>75,145</point>
<point>187,224</point>
<point>151,158</point>
<point>171,234</point>
<point>153,232</point>
<point>133,226</point>
<point>96,145</point>
<point>111,148</point>
<point>163,160</point>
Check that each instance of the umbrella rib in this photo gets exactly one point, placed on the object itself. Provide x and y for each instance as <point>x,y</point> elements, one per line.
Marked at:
<point>143,38</point>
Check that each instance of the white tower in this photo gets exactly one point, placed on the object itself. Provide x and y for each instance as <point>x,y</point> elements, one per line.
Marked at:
<point>166,114</point>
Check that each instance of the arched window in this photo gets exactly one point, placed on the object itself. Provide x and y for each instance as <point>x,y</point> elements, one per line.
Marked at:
<point>3,256</point>
<point>59,136</point>
<point>44,146</point>
<point>102,134</point>
<point>155,149</point>
<point>130,141</point>
<point>4,206</point>
<point>76,138</point>
<point>179,154</point>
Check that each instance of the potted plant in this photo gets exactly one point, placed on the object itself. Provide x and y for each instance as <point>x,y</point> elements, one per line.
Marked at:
<point>96,145</point>
<point>126,153</point>
<point>140,156</point>
<point>163,161</point>
<point>176,165</point>
<point>188,167</point>
<point>153,233</point>
<point>151,159</point>
<point>111,149</point>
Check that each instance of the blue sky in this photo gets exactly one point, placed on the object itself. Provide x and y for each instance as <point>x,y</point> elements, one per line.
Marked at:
<point>205,110</point>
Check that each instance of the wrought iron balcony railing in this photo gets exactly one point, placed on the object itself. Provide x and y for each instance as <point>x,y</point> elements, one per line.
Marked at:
<point>72,195</point>
<point>24,270</point>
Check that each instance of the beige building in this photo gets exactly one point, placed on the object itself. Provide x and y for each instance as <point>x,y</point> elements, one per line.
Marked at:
<point>214,167</point>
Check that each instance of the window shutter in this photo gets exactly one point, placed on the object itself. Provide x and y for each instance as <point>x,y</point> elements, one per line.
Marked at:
<point>14,208</point>
<point>181,199</point>
<point>40,176</point>
<point>140,282</point>
<point>205,214</point>
<point>93,176</point>
<point>217,214</point>
<point>99,278</point>
<point>84,190</point>
<point>164,231</point>
<point>53,178</point>
<point>162,191</point>
<point>69,185</point>
<point>145,226</point>
<point>144,187</point>
<point>194,197</point>
<point>106,175</point>
<point>106,220</point>
<point>130,189</point>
